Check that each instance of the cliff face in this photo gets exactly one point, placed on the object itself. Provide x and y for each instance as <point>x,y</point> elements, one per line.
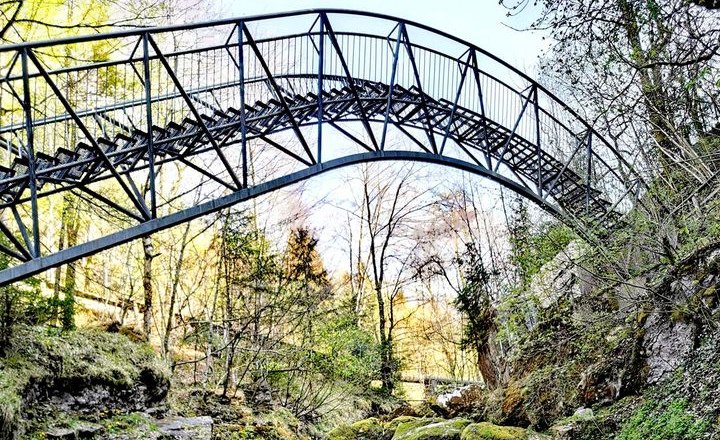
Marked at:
<point>68,377</point>
<point>599,359</point>
<point>638,352</point>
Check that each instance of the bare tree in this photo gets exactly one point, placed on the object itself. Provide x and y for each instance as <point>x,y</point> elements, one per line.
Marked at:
<point>647,71</point>
<point>389,213</point>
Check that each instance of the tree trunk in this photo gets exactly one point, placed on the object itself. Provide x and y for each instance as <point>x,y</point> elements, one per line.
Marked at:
<point>489,359</point>
<point>6,320</point>
<point>486,365</point>
<point>58,270</point>
<point>174,290</point>
<point>71,228</point>
<point>386,355</point>
<point>147,283</point>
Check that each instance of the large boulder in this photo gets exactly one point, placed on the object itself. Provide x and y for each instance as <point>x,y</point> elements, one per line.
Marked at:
<point>573,427</point>
<point>431,429</point>
<point>462,401</point>
<point>85,374</point>
<point>77,431</point>
<point>488,431</point>
<point>667,345</point>
<point>181,428</point>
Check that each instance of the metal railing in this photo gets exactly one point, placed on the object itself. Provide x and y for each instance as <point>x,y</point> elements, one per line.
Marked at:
<point>103,116</point>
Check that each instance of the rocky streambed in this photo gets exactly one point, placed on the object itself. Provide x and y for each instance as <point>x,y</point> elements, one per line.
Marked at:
<point>428,428</point>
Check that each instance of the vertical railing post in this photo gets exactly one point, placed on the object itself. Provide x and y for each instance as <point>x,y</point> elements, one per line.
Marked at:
<point>32,181</point>
<point>391,89</point>
<point>243,124</point>
<point>321,62</point>
<point>589,173</point>
<point>148,113</point>
<point>481,98</point>
<point>538,148</point>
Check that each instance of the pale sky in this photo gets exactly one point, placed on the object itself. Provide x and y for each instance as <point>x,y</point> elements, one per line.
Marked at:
<point>482,22</point>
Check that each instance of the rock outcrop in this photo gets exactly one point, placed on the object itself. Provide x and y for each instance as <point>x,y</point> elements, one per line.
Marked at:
<point>416,428</point>
<point>84,375</point>
<point>179,428</point>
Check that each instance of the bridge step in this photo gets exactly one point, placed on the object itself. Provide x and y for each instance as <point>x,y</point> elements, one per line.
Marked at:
<point>482,136</point>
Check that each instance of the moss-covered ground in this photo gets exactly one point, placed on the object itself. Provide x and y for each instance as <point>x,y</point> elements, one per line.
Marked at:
<point>41,363</point>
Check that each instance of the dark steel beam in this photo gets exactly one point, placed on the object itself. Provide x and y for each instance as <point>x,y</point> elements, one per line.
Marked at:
<point>481,100</point>
<point>30,147</point>
<point>391,89</point>
<point>205,173</point>
<point>96,148</point>
<point>455,105</point>
<point>349,135</point>
<point>278,93</point>
<point>110,203</point>
<point>24,252</point>
<point>423,99</point>
<point>321,72</point>
<point>501,157</point>
<point>415,140</point>
<point>538,147</point>
<point>23,231</point>
<point>564,168</point>
<point>149,119</point>
<point>194,111</point>
<point>350,79</point>
<point>243,121</point>
<point>75,253</point>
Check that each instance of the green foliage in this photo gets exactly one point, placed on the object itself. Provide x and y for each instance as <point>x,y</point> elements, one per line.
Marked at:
<point>67,308</point>
<point>20,303</point>
<point>352,353</point>
<point>291,333</point>
<point>302,260</point>
<point>473,299</point>
<point>658,421</point>
<point>532,248</point>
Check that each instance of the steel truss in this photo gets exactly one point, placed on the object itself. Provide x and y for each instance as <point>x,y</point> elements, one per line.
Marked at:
<point>108,130</point>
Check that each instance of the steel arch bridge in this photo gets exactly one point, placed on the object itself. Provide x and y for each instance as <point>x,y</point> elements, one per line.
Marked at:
<point>245,106</point>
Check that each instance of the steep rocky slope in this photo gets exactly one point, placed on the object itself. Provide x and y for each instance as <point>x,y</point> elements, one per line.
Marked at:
<point>620,359</point>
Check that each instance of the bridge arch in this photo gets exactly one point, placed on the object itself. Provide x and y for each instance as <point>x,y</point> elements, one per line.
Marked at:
<point>288,88</point>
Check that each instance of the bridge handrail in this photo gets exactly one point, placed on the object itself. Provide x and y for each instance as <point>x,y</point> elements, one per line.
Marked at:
<point>93,121</point>
<point>19,47</point>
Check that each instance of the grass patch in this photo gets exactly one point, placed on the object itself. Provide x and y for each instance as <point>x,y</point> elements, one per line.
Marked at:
<point>657,421</point>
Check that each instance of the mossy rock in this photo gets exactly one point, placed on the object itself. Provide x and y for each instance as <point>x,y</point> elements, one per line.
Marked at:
<point>488,431</point>
<point>393,424</point>
<point>108,374</point>
<point>431,429</point>
<point>277,424</point>
<point>370,429</point>
<point>344,432</point>
<point>366,429</point>
<point>405,426</point>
